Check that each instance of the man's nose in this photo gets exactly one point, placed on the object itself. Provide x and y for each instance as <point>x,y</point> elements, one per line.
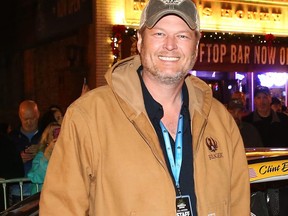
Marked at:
<point>170,43</point>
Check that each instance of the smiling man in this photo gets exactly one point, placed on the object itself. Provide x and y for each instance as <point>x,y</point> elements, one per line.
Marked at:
<point>153,141</point>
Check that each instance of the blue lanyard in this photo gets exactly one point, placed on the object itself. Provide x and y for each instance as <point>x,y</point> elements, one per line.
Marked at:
<point>174,164</point>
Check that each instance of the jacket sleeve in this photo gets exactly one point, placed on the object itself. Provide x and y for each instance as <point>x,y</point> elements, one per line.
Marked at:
<point>66,186</point>
<point>38,171</point>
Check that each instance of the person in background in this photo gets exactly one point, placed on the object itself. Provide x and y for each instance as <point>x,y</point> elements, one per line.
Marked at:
<point>241,96</point>
<point>57,113</point>
<point>26,138</point>
<point>249,133</point>
<point>276,104</point>
<point>40,162</point>
<point>272,126</point>
<point>133,48</point>
<point>153,141</point>
<point>11,165</point>
<point>54,113</point>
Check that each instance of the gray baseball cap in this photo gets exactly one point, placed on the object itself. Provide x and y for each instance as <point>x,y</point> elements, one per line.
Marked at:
<point>262,89</point>
<point>156,9</point>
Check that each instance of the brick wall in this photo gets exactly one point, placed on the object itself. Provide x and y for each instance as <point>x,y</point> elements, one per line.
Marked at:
<point>41,73</point>
<point>105,12</point>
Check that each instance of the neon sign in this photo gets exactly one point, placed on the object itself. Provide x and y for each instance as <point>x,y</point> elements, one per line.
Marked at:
<point>270,79</point>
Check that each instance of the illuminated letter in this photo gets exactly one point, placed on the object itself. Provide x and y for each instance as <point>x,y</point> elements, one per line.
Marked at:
<point>222,52</point>
<point>207,11</point>
<point>257,55</point>
<point>247,55</point>
<point>271,55</point>
<point>226,13</point>
<point>240,55</point>
<point>251,15</point>
<point>282,56</point>
<point>209,52</point>
<point>201,52</point>
<point>216,53</point>
<point>233,56</point>
<point>240,14</point>
<point>264,55</point>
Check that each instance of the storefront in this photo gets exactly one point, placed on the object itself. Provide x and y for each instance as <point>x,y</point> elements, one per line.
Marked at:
<point>247,39</point>
<point>250,60</point>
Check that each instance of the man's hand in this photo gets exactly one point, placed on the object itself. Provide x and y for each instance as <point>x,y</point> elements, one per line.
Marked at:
<point>29,153</point>
<point>49,149</point>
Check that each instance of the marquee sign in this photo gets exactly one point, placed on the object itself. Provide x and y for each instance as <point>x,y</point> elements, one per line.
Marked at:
<point>242,56</point>
<point>244,16</point>
<point>250,16</point>
<point>223,52</point>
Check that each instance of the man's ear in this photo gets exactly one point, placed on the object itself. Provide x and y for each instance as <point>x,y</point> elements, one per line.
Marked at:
<point>139,42</point>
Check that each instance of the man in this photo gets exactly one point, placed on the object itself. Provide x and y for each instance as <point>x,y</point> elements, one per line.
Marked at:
<point>272,126</point>
<point>242,97</point>
<point>249,133</point>
<point>26,138</point>
<point>153,141</point>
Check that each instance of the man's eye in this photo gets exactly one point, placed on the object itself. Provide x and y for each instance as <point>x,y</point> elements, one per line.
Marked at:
<point>182,36</point>
<point>159,34</point>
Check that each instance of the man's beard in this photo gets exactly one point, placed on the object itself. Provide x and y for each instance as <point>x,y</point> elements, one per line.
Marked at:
<point>167,78</point>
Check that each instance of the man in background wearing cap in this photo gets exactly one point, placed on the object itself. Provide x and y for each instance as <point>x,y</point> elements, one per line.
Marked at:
<point>154,141</point>
<point>249,133</point>
<point>272,126</point>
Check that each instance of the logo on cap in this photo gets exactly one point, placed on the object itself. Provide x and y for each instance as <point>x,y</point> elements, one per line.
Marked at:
<point>156,9</point>
<point>174,2</point>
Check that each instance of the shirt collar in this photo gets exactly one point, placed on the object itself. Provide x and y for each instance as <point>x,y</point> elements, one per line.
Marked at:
<point>155,109</point>
<point>273,115</point>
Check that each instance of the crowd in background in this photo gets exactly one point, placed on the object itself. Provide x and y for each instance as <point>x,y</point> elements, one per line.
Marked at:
<point>266,126</point>
<point>25,150</point>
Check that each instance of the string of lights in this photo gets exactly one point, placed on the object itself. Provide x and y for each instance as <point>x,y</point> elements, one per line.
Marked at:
<point>118,32</point>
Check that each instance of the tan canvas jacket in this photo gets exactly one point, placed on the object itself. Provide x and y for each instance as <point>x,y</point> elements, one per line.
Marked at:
<point>108,160</point>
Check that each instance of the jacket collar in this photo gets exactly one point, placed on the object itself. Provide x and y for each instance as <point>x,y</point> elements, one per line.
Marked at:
<point>125,84</point>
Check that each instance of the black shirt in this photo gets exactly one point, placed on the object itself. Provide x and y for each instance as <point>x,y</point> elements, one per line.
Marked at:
<point>272,129</point>
<point>155,113</point>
